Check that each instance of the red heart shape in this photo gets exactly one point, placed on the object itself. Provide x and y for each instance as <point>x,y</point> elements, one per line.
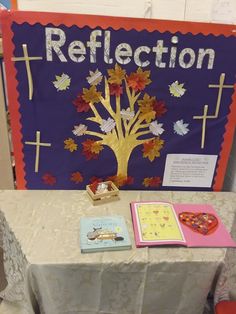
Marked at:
<point>203,223</point>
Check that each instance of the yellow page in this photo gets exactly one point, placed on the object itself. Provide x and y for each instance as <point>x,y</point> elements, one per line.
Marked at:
<point>157,222</point>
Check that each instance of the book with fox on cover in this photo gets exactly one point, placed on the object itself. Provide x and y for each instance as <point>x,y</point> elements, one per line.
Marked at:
<point>191,225</point>
<point>103,234</point>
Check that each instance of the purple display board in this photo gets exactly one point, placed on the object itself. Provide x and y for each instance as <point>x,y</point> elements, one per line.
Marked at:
<point>148,106</point>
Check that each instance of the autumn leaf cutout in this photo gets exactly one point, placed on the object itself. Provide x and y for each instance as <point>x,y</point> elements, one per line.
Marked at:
<point>176,89</point>
<point>62,82</point>
<point>151,149</point>
<point>180,127</point>
<point>125,118</point>
<point>94,78</point>
<point>70,145</point>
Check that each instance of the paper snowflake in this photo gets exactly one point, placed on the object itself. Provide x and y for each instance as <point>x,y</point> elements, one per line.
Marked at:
<point>62,82</point>
<point>107,125</point>
<point>95,78</point>
<point>79,130</point>
<point>156,128</point>
<point>127,114</point>
<point>181,128</point>
<point>176,89</point>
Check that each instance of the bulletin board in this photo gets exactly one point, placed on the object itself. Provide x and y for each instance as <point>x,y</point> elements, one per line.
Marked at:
<point>148,104</point>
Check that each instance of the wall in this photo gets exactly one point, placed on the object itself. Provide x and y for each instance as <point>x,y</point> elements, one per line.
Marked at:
<point>6,175</point>
<point>223,11</point>
<point>191,10</point>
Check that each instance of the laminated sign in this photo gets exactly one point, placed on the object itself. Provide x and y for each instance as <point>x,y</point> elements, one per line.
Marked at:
<point>147,104</point>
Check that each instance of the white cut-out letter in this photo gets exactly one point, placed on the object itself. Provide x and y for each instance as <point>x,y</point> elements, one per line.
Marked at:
<point>55,44</point>
<point>159,50</point>
<point>211,57</point>
<point>107,42</point>
<point>137,53</point>
<point>192,57</point>
<point>76,51</point>
<point>123,50</point>
<point>93,44</point>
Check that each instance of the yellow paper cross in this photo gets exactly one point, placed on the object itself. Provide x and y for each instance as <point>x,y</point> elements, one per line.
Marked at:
<point>220,86</point>
<point>37,144</point>
<point>204,117</point>
<point>27,60</point>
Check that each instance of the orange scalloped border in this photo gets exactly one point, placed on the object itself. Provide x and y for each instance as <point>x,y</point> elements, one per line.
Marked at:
<point>93,21</point>
<point>226,146</point>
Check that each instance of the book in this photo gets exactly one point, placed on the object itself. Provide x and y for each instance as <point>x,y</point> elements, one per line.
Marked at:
<point>191,225</point>
<point>106,233</point>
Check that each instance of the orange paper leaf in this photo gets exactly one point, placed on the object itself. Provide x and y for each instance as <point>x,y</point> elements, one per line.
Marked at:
<point>139,80</point>
<point>70,145</point>
<point>116,75</point>
<point>151,149</point>
<point>76,177</point>
<point>91,149</point>
<point>91,95</point>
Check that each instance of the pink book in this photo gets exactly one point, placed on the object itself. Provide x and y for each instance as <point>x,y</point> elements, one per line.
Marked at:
<point>191,225</point>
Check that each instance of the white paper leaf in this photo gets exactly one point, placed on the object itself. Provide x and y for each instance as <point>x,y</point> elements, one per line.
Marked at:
<point>176,89</point>
<point>62,82</point>
<point>95,78</point>
<point>79,130</point>
<point>127,114</point>
<point>107,125</point>
<point>181,128</point>
<point>156,128</point>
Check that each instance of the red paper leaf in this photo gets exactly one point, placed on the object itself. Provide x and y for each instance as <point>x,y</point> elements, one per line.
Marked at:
<point>49,179</point>
<point>159,107</point>
<point>95,179</point>
<point>76,177</point>
<point>129,180</point>
<point>152,181</point>
<point>138,80</point>
<point>115,89</point>
<point>80,104</point>
<point>93,186</point>
<point>155,181</point>
<point>91,149</point>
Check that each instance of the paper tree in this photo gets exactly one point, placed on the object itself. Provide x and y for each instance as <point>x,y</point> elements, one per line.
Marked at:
<point>132,117</point>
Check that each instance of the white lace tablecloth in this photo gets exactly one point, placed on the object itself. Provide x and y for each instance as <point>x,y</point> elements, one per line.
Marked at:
<point>39,233</point>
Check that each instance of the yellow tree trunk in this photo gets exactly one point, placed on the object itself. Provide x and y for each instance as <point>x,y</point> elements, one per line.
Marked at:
<point>122,150</point>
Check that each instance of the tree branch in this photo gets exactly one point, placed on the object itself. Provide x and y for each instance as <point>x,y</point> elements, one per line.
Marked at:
<point>142,133</point>
<point>125,123</point>
<point>114,132</point>
<point>131,97</point>
<point>97,118</point>
<point>110,138</point>
<point>118,105</point>
<point>118,118</point>
<point>138,124</point>
<point>106,101</point>
<point>107,89</point>
<point>132,121</point>
<point>102,136</point>
<point>145,141</point>
<point>143,126</point>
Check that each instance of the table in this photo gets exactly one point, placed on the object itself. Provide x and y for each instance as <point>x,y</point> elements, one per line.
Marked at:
<point>45,269</point>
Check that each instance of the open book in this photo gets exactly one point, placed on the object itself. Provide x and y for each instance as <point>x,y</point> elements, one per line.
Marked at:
<point>160,223</point>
